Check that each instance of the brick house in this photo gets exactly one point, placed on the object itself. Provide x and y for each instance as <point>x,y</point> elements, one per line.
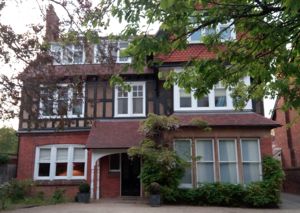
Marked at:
<point>287,140</point>
<point>104,123</point>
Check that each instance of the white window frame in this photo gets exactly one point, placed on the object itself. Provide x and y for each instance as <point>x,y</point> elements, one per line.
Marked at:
<point>186,185</point>
<point>55,103</point>
<point>218,29</point>
<point>211,100</point>
<point>259,156</point>
<point>128,61</point>
<point>61,50</point>
<point>52,172</point>
<point>130,101</point>
<point>115,170</point>
<point>236,158</point>
<point>202,161</point>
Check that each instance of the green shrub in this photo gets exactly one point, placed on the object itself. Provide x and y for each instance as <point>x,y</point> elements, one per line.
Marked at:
<point>212,194</point>
<point>19,189</point>
<point>161,165</point>
<point>58,196</point>
<point>267,192</point>
<point>4,159</point>
<point>4,198</point>
<point>84,188</point>
<point>261,194</point>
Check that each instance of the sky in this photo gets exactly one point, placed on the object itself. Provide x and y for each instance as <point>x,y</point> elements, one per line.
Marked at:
<point>20,17</point>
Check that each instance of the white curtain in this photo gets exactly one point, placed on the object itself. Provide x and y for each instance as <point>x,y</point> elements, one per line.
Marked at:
<point>228,170</point>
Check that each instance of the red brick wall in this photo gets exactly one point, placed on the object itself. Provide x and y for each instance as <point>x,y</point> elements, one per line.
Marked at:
<point>26,159</point>
<point>292,183</point>
<point>109,181</point>
<point>281,136</point>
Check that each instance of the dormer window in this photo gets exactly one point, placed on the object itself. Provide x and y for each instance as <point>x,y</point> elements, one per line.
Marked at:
<point>227,33</point>
<point>111,51</point>
<point>68,54</point>
<point>122,45</point>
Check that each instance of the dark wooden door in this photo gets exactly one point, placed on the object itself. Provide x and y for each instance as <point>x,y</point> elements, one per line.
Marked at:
<point>130,185</point>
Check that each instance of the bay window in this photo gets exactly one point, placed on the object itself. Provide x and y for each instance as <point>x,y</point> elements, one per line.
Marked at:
<point>130,103</point>
<point>204,156</point>
<point>60,162</point>
<point>251,160</point>
<point>228,161</point>
<point>183,148</point>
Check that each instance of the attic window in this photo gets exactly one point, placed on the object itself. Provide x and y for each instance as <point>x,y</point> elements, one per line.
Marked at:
<point>68,54</point>
<point>227,33</point>
<point>107,52</point>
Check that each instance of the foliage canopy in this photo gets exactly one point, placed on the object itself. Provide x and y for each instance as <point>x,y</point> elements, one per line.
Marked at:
<point>266,48</point>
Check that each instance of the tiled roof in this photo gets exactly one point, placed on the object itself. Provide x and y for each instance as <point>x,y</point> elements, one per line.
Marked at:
<point>81,69</point>
<point>114,134</point>
<point>193,51</point>
<point>249,119</point>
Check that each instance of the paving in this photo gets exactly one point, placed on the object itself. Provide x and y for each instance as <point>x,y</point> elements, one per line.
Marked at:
<point>291,203</point>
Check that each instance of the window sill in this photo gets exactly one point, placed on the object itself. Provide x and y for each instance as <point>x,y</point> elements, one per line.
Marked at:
<point>58,117</point>
<point>130,116</point>
<point>59,182</point>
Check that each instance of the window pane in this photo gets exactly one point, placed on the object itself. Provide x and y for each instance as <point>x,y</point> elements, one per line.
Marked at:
<point>62,154</point>
<point>183,149</point>
<point>227,150</point>
<point>250,150</point>
<point>220,98</point>
<point>122,106</point>
<point>62,100</point>
<point>226,34</point>
<point>79,155</point>
<point>228,173</point>
<point>209,31</point>
<point>68,54</point>
<point>61,169</point>
<point>78,169</point>
<point>114,162</point>
<point>203,102</point>
<point>47,101</point>
<point>44,154</point>
<point>204,150</point>
<point>196,36</point>
<point>187,177</point>
<point>56,52</point>
<point>205,172</point>
<point>77,107</point>
<point>44,169</point>
<point>185,99</point>
<point>78,54</point>
<point>137,105</point>
<point>251,172</point>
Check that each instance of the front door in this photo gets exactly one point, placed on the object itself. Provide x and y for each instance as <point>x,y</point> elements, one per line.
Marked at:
<point>130,185</point>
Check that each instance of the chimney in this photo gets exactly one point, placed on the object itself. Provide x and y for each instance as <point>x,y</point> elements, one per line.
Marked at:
<point>52,25</point>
